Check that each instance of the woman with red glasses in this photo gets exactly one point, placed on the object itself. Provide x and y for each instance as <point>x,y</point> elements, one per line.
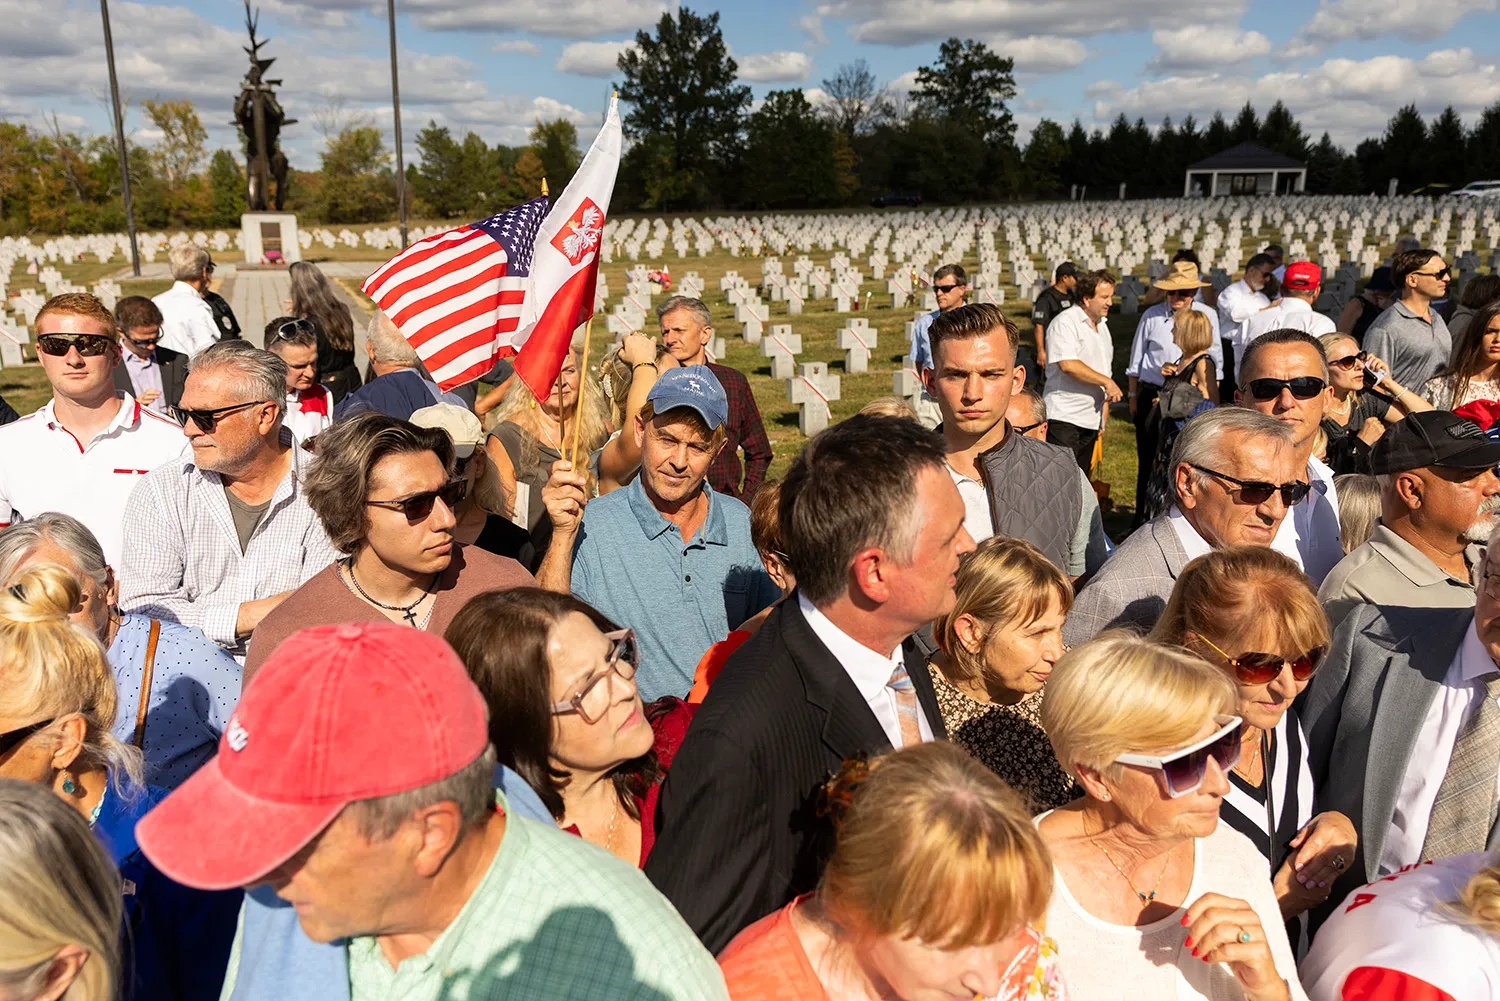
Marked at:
<point>1154,895</point>
<point>565,713</point>
<point>1251,613</point>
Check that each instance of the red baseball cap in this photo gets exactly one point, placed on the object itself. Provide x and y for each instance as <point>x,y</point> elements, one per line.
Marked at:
<point>337,714</point>
<point>1303,275</point>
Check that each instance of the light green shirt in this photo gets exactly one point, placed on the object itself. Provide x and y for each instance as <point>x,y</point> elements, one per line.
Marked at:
<point>554,919</point>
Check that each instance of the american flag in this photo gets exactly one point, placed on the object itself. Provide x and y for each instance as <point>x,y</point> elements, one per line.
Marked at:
<point>455,294</point>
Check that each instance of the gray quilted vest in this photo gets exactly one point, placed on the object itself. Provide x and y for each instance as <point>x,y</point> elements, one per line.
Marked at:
<point>1034,494</point>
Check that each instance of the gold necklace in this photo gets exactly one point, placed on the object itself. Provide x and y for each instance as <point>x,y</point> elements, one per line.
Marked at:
<point>1145,898</point>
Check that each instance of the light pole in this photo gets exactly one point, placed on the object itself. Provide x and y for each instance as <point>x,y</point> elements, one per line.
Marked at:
<point>390,8</point>
<point>124,152</point>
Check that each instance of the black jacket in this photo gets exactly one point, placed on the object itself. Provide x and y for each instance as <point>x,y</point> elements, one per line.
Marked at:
<point>738,834</point>
<point>174,370</point>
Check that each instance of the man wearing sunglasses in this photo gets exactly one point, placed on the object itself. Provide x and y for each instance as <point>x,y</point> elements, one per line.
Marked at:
<point>154,374</point>
<point>1403,729</point>
<point>1411,335</point>
<point>1285,375</point>
<point>220,537</point>
<point>1436,472</point>
<point>950,283</point>
<point>84,451</point>
<point>1300,289</point>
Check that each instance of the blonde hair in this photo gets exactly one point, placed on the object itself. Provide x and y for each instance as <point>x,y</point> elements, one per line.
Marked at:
<point>889,406</point>
<point>51,667</point>
<point>1359,508</point>
<point>932,845</point>
<point>1192,332</point>
<point>1230,594</point>
<point>519,407</point>
<point>57,888</point>
<point>1003,584</point>
<point>1121,693</point>
<point>1478,905</point>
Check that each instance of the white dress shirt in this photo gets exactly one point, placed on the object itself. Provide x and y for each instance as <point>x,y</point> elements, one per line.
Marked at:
<point>187,322</point>
<point>1072,336</point>
<point>1310,532</point>
<point>1153,346</point>
<point>1238,303</point>
<point>1430,754</point>
<point>1289,312</point>
<point>870,671</point>
<point>1193,544</point>
<point>978,521</point>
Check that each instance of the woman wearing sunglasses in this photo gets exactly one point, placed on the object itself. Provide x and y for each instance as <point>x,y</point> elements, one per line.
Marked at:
<point>1473,370</point>
<point>565,713</point>
<point>1250,612</point>
<point>1353,418</point>
<point>1155,896</point>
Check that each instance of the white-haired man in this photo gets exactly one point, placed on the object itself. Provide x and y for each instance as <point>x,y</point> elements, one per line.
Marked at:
<point>401,386</point>
<point>187,320</point>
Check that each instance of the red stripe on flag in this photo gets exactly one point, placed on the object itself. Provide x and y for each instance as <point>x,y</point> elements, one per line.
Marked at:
<point>487,262</point>
<point>417,254</point>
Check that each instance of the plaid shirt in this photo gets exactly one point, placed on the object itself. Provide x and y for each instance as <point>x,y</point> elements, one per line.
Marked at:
<point>182,556</point>
<point>745,432</point>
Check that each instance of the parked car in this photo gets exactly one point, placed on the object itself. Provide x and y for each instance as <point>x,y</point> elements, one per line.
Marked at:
<point>1478,189</point>
<point>912,198</point>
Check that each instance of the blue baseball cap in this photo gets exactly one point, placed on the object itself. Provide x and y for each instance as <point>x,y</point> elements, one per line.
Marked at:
<point>694,386</point>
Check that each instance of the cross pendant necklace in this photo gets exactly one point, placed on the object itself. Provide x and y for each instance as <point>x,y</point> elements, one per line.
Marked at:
<point>408,612</point>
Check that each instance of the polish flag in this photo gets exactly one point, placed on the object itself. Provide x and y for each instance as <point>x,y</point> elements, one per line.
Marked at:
<point>565,265</point>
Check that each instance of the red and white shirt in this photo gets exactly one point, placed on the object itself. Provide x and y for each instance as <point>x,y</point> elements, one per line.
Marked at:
<point>44,467</point>
<point>1395,940</point>
<point>309,412</point>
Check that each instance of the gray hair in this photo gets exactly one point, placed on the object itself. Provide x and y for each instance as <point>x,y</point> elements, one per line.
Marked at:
<point>471,787</point>
<point>66,533</point>
<point>261,375</point>
<point>695,306</point>
<point>187,262</point>
<point>386,343</point>
<point>1202,439</point>
<point>57,888</point>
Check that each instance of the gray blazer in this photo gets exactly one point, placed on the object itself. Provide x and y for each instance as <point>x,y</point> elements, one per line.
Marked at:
<point>1132,587</point>
<point>1363,711</point>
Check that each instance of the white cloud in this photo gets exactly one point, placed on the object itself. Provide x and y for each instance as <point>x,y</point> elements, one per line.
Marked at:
<point>1425,20</point>
<point>900,22</point>
<point>1200,46</point>
<point>817,96</point>
<point>812,27</point>
<point>577,19</point>
<point>775,67</point>
<point>903,84</point>
<point>1351,99</point>
<point>1042,53</point>
<point>518,46</point>
<point>592,58</point>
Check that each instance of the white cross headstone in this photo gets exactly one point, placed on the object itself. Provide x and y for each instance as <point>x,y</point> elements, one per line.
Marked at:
<point>781,346</point>
<point>857,341</point>
<point>812,389</point>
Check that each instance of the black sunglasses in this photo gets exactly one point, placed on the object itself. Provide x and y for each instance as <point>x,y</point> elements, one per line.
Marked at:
<point>945,288</point>
<point>1348,361</point>
<point>207,420</point>
<point>1304,387</point>
<point>1023,428</point>
<point>418,506</point>
<point>1442,275</point>
<point>1259,491</point>
<point>12,739</point>
<point>88,345</point>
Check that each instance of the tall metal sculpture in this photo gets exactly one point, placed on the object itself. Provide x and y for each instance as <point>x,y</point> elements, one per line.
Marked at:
<point>260,119</point>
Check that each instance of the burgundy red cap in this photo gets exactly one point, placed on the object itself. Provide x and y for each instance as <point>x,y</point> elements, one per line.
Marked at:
<point>337,714</point>
<point>1303,276</point>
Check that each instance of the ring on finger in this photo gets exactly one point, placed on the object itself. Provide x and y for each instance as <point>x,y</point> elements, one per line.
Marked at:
<point>1338,862</point>
<point>1244,936</point>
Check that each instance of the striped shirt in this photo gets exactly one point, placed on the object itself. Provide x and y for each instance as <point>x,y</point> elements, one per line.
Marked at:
<point>183,560</point>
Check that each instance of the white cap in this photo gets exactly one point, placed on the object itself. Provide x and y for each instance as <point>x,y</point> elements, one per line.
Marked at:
<point>461,424</point>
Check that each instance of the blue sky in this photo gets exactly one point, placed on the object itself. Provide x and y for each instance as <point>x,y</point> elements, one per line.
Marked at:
<point>496,66</point>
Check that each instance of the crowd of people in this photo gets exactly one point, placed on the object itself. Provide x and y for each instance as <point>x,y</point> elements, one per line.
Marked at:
<point>315,685</point>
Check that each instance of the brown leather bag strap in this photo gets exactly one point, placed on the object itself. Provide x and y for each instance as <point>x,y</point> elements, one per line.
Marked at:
<point>139,740</point>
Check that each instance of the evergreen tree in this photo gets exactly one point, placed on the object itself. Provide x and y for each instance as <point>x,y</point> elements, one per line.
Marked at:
<point>969,85</point>
<point>226,181</point>
<point>1483,161</point>
<point>1044,158</point>
<point>1246,127</point>
<point>1403,151</point>
<point>555,143</point>
<point>1217,137</point>
<point>789,159</point>
<point>1446,151</point>
<point>357,184</point>
<point>1282,132</point>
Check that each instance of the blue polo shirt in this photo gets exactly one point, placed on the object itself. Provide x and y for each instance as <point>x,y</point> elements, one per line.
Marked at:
<point>680,598</point>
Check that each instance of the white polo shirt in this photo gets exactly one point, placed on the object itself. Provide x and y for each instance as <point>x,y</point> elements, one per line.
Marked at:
<point>1072,337</point>
<point>43,467</point>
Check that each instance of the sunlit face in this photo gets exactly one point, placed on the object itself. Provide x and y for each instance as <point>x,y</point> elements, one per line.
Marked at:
<point>1019,414</point>
<point>675,455</point>
<point>949,292</point>
<point>972,379</point>
<point>1487,605</point>
<point>684,337</point>
<point>1097,305</point>
<point>1261,706</point>
<point>73,376</point>
<point>1140,795</point>
<point>420,547</point>
<point>1216,507</point>
<point>141,341</point>
<point>564,395</point>
<point>1490,342</point>
<point>578,654</point>
<point>1019,656</point>
<point>238,436</point>
<point>923,589</point>
<point>1450,500</point>
<point>301,365</point>
<point>1346,369</point>
<point>1286,361</point>
<point>912,970</point>
<point>1426,281</point>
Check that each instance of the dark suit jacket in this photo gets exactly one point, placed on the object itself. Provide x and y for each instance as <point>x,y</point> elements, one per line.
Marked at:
<point>174,369</point>
<point>1362,714</point>
<point>738,834</point>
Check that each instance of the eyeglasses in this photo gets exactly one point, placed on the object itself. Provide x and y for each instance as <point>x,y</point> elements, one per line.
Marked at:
<point>1023,428</point>
<point>143,342</point>
<point>12,739</point>
<point>208,268</point>
<point>418,506</point>
<point>1182,771</point>
<point>1486,579</point>
<point>1304,387</point>
<point>1262,668</point>
<point>1348,362</point>
<point>207,420</point>
<point>88,345</point>
<point>945,289</point>
<point>1181,293</point>
<point>290,329</point>
<point>592,700</point>
<point>1442,275</point>
<point>1256,492</point>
